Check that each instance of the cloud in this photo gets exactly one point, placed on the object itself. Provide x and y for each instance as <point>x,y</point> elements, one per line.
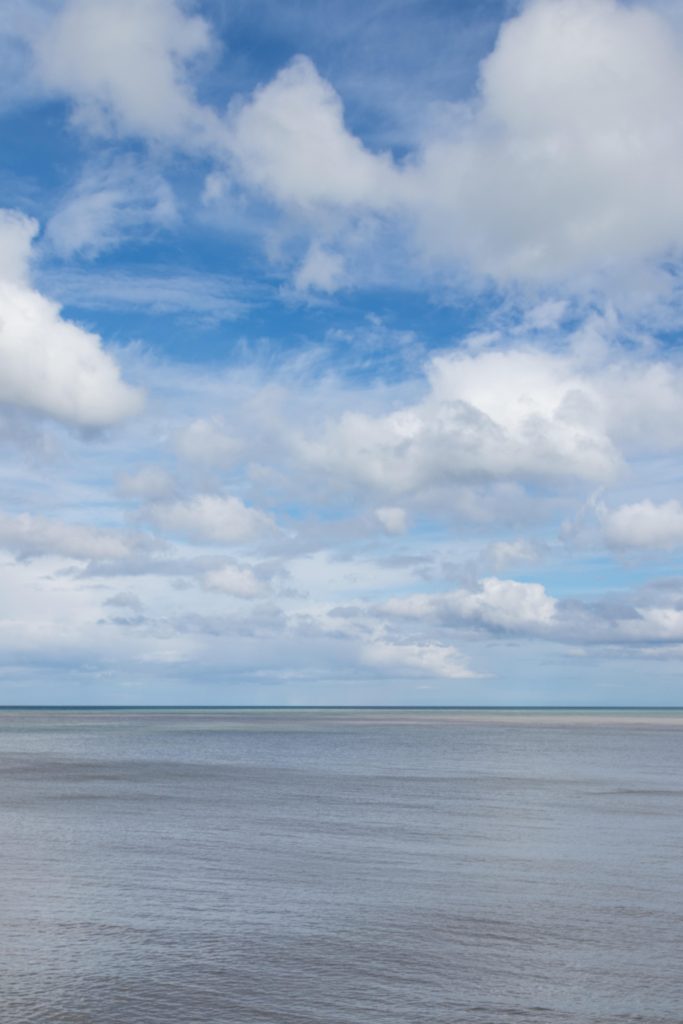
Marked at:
<point>47,364</point>
<point>422,660</point>
<point>565,164</point>
<point>494,604</point>
<point>546,418</point>
<point>321,270</point>
<point>643,621</point>
<point>560,168</point>
<point>111,201</point>
<point>32,536</point>
<point>520,414</point>
<point>643,524</point>
<point>212,298</point>
<point>205,442</point>
<point>124,65</point>
<point>125,599</point>
<point>502,553</point>
<point>504,604</point>
<point>149,482</point>
<point>210,517</point>
<point>235,580</point>
<point>289,140</point>
<point>17,234</point>
<point>392,519</point>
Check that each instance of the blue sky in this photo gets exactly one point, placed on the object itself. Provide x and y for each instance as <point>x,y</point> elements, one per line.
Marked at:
<point>340,352</point>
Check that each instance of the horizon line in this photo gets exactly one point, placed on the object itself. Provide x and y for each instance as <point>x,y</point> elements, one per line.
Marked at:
<point>342,707</point>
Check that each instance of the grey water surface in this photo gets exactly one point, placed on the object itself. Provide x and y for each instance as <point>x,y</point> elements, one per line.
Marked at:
<point>341,866</point>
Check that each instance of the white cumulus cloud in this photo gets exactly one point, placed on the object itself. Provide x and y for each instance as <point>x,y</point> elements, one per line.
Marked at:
<point>289,139</point>
<point>235,580</point>
<point>48,364</point>
<point>566,164</point>
<point>210,517</point>
<point>426,660</point>
<point>392,519</point>
<point>516,414</point>
<point>123,64</point>
<point>643,524</point>
<point>562,167</point>
<point>494,603</point>
<point>206,442</point>
<point>28,536</point>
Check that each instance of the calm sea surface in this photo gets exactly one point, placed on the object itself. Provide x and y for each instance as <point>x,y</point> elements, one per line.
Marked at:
<point>341,867</point>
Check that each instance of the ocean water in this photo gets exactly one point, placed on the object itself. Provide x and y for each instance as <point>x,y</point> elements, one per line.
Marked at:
<point>341,867</point>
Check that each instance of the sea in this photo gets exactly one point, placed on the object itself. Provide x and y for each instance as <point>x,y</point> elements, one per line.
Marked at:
<point>341,866</point>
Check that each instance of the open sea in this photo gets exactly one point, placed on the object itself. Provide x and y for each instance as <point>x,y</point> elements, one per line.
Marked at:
<point>370,866</point>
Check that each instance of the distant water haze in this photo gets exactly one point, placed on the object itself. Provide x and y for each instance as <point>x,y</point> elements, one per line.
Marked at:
<point>341,866</point>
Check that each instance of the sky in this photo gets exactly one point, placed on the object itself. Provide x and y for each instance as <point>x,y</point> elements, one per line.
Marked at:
<point>340,352</point>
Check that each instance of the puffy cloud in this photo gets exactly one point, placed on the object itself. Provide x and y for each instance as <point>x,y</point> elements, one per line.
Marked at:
<point>643,402</point>
<point>124,65</point>
<point>643,524</point>
<point>31,536</point>
<point>504,604</point>
<point>561,168</point>
<point>210,517</point>
<point>235,580</point>
<point>566,163</point>
<point>649,627</point>
<point>205,442</point>
<point>47,364</point>
<point>643,621</point>
<point>494,604</point>
<point>531,415</point>
<point>427,660</point>
<point>516,414</point>
<point>392,519</point>
<point>321,270</point>
<point>289,139</point>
